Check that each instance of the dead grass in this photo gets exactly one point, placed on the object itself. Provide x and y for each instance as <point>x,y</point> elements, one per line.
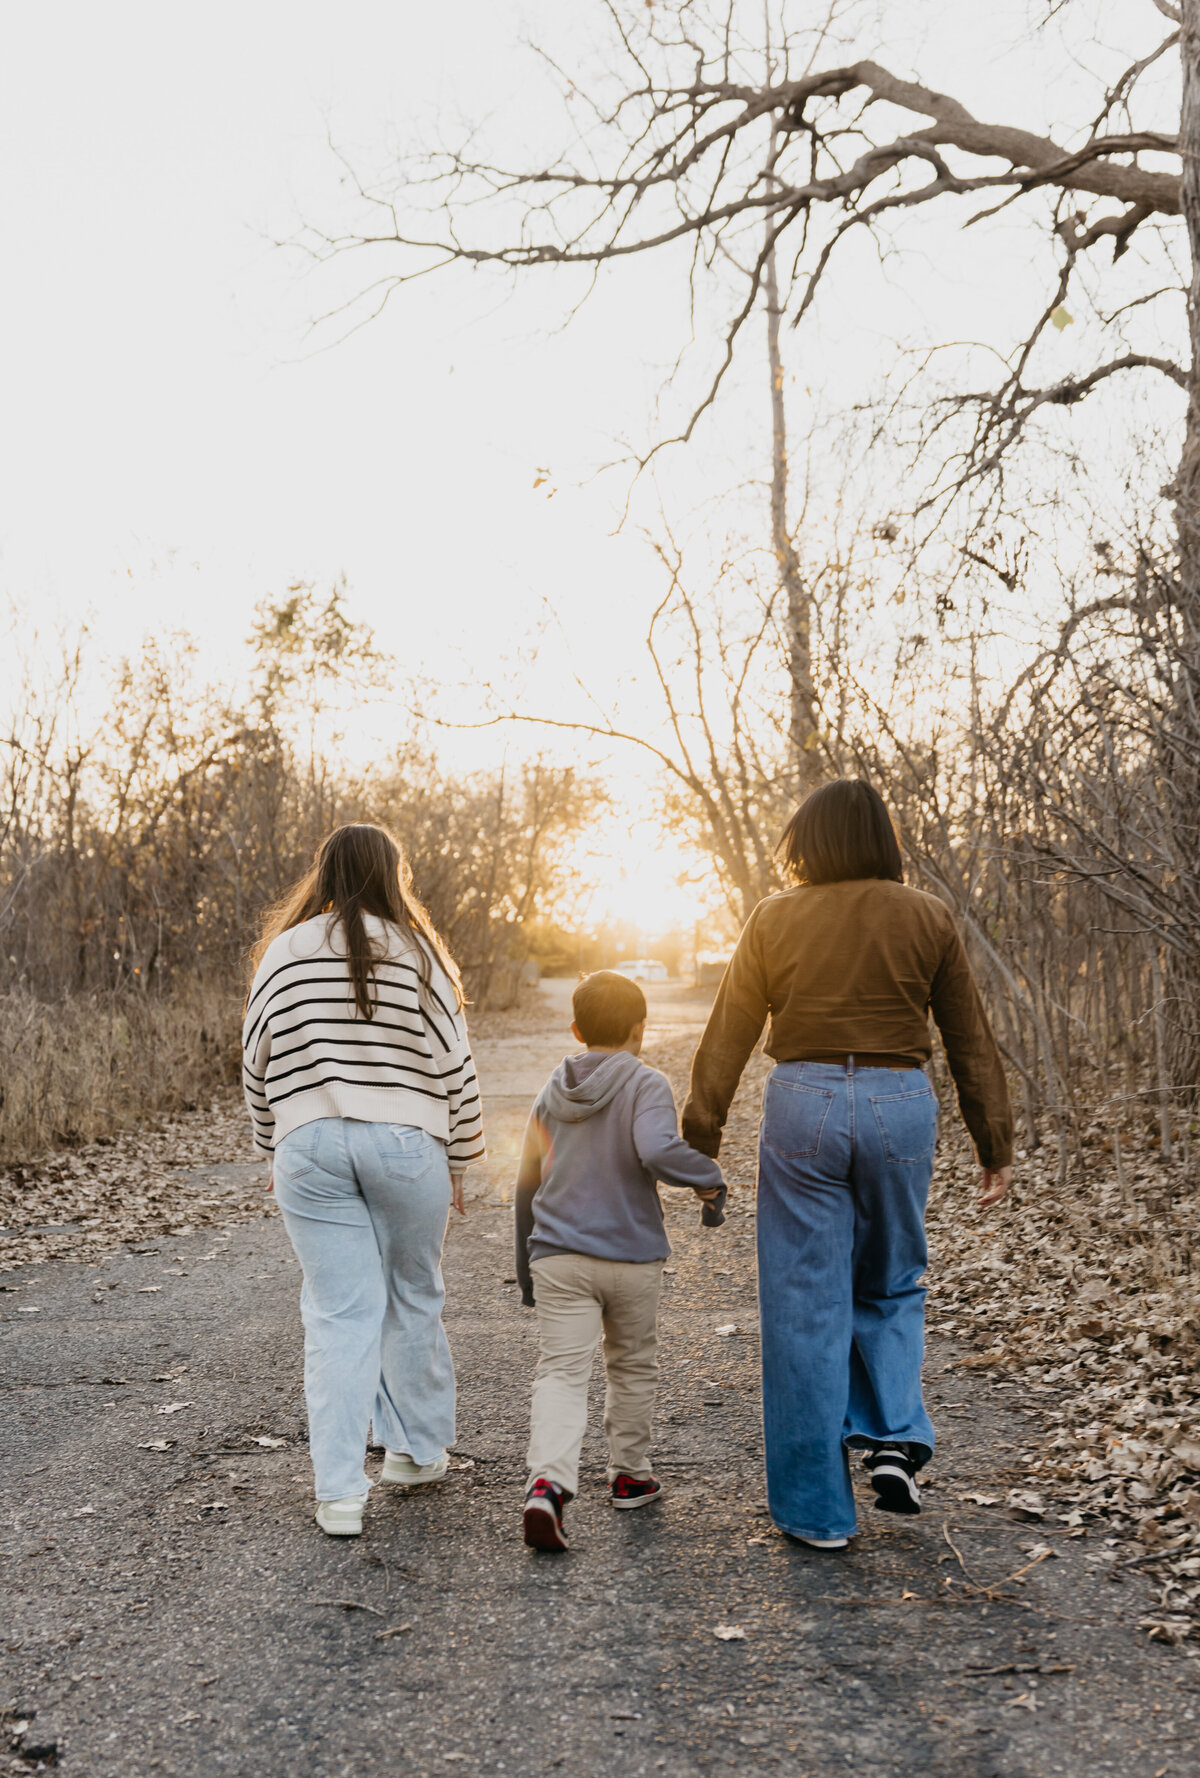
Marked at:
<point>90,1065</point>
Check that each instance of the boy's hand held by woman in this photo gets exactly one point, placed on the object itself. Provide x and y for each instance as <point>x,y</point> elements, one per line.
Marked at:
<point>712,1206</point>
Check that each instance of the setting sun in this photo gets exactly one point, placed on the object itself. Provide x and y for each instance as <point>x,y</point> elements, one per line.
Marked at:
<point>648,883</point>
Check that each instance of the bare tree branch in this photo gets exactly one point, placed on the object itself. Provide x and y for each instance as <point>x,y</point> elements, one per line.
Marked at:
<point>680,150</point>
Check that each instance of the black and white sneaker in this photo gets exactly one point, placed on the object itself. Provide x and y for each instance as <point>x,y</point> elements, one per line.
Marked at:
<point>893,1477</point>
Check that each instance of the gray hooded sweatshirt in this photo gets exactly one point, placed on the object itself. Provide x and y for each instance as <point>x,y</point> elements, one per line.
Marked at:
<point>602,1133</point>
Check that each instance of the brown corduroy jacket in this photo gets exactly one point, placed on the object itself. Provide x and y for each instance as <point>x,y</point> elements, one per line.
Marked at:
<point>851,969</point>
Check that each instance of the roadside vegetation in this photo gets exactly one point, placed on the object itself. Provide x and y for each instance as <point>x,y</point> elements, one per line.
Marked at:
<point>149,817</point>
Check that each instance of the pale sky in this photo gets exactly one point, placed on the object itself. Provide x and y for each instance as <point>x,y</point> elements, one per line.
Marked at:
<point>174,448</point>
<point>173,445</point>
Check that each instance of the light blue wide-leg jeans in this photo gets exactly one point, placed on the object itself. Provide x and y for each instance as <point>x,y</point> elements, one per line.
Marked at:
<point>845,1160</point>
<point>365,1206</point>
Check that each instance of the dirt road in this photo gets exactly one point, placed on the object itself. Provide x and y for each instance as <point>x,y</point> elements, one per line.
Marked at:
<point>169,1607</point>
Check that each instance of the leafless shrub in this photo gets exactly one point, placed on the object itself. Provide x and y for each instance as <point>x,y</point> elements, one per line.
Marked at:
<point>139,846</point>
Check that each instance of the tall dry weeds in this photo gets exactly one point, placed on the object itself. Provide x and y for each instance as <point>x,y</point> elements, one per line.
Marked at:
<point>88,1065</point>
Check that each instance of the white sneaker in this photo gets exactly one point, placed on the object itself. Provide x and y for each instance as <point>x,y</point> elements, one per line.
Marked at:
<point>341,1518</point>
<point>823,1543</point>
<point>398,1466</point>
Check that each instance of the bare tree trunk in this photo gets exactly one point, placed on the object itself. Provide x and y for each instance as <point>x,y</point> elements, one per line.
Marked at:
<point>1187,483</point>
<point>1182,987</point>
<point>802,721</point>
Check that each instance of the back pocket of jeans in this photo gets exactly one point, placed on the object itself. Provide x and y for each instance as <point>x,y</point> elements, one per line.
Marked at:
<point>406,1151</point>
<point>794,1116</point>
<point>301,1149</point>
<point>907,1124</point>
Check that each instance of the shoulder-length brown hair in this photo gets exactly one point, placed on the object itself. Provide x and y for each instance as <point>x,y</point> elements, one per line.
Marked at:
<point>841,833</point>
<point>360,869</point>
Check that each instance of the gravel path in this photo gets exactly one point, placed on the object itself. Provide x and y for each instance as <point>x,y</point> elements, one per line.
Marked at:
<point>168,1606</point>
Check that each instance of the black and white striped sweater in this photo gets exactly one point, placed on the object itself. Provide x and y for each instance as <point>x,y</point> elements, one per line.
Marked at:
<point>306,1053</point>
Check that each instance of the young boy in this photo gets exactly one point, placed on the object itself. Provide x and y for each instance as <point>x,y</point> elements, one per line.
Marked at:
<point>591,1245</point>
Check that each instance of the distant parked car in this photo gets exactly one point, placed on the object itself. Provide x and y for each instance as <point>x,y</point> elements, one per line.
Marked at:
<point>644,969</point>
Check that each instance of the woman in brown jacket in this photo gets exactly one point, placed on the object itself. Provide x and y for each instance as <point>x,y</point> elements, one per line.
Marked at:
<point>847,965</point>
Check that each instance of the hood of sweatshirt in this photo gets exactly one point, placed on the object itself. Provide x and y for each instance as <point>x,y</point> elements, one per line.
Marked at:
<point>583,1085</point>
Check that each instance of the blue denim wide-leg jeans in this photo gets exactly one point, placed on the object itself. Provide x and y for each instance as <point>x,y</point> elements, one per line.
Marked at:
<point>365,1206</point>
<point>845,1160</point>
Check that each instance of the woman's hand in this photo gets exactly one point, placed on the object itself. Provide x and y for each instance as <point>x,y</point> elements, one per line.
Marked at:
<point>456,1193</point>
<point>710,1193</point>
<point>994,1182</point>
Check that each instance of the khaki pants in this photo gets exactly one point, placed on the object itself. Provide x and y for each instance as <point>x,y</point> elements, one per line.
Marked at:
<point>579,1298</point>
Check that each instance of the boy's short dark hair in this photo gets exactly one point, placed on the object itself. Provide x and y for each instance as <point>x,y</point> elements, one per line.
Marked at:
<point>607,1006</point>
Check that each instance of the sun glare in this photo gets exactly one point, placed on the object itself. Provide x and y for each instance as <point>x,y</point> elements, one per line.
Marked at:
<point>648,884</point>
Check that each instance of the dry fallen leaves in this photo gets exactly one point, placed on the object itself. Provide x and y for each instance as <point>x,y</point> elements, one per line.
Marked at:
<point>82,1203</point>
<point>1087,1297</point>
<point>1024,1505</point>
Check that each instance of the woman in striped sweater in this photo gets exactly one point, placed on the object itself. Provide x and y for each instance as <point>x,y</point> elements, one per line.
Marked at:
<point>360,1085</point>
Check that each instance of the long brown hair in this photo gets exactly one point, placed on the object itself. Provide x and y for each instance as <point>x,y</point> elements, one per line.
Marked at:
<point>360,869</point>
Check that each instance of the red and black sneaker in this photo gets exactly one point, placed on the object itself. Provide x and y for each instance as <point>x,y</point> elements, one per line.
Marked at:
<point>544,1516</point>
<point>628,1490</point>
